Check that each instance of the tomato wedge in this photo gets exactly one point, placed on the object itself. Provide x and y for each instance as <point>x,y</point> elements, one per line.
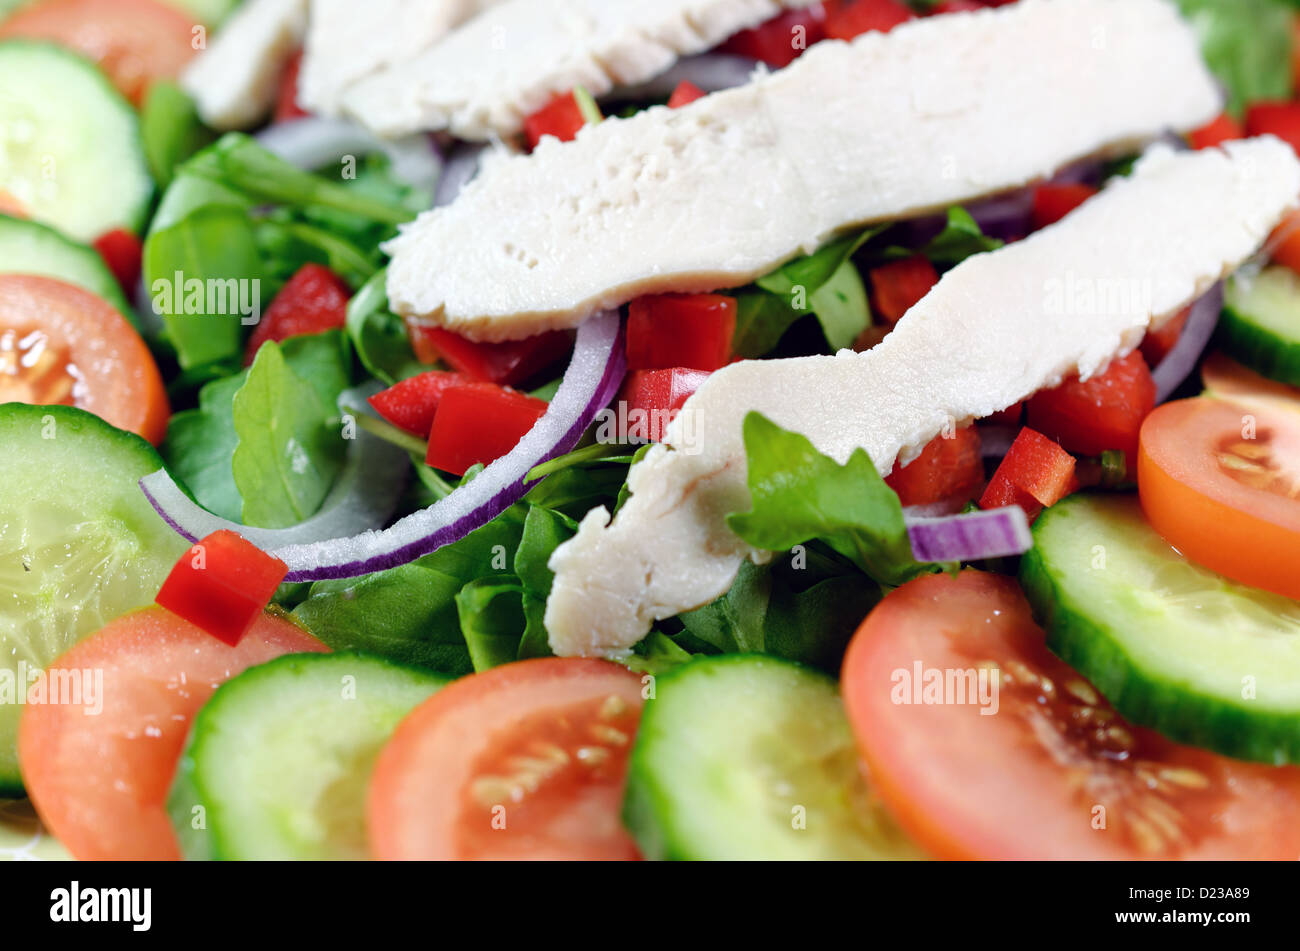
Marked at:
<point>1054,773</point>
<point>133,41</point>
<point>61,345</point>
<point>100,781</point>
<point>525,761</point>
<point>1220,480</point>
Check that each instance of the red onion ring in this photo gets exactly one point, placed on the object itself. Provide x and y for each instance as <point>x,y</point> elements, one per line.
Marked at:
<point>995,533</point>
<point>1181,361</point>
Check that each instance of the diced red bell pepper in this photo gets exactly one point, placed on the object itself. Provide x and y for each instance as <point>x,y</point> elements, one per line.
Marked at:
<point>654,398</point>
<point>1157,343</point>
<point>1009,416</point>
<point>897,286</point>
<point>479,422</point>
<point>856,17</point>
<point>1284,244</point>
<point>1104,412</point>
<point>121,251</point>
<point>1035,473</point>
<point>957,6</point>
<point>1223,129</point>
<point>782,39</point>
<point>948,468</point>
<point>680,330</point>
<point>412,403</point>
<point>507,363</point>
<point>222,585</point>
<point>286,100</point>
<point>311,302</point>
<point>685,94</point>
<point>1281,119</point>
<point>561,117</point>
<point>1054,202</point>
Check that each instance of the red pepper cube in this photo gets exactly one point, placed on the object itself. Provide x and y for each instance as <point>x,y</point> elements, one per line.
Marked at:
<point>896,287</point>
<point>1103,412</point>
<point>222,585</point>
<point>653,398</point>
<point>693,331</point>
<point>479,423</point>
<point>286,99</point>
<point>122,251</point>
<point>855,17</point>
<point>311,302</point>
<point>412,403</point>
<point>1054,202</point>
<point>1281,119</point>
<point>506,363</point>
<point>948,469</point>
<point>1223,129</point>
<point>782,39</point>
<point>1010,416</point>
<point>561,117</point>
<point>685,94</point>
<point>1035,467</point>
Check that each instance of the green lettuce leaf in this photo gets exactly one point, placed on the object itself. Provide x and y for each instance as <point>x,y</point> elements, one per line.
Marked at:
<point>1247,44</point>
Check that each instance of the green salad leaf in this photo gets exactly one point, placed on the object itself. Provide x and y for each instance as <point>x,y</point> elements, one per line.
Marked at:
<point>1247,44</point>
<point>492,619</point>
<point>170,129</point>
<point>378,336</point>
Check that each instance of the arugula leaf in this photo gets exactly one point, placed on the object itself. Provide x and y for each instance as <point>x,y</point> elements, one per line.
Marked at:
<point>492,620</point>
<point>288,453</point>
<point>657,653</point>
<point>199,445</point>
<point>761,321</point>
<point>1247,44</point>
<point>379,336</point>
<point>170,129</point>
<point>800,494</point>
<point>960,238</point>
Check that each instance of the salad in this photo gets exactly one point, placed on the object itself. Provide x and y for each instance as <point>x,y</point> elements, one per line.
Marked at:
<point>591,429</point>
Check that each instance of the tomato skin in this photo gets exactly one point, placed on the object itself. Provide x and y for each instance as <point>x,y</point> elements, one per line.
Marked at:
<point>222,585</point>
<point>122,252</point>
<point>1244,532</point>
<point>1054,202</point>
<point>898,286</point>
<point>1024,783</point>
<point>423,803</point>
<point>561,117</point>
<point>120,382</point>
<point>1103,412</point>
<point>685,94</point>
<point>286,100</point>
<point>509,363</point>
<point>947,469</point>
<point>855,17</point>
<point>693,331</point>
<point>133,41</point>
<point>1223,129</point>
<point>313,301</point>
<point>773,42</point>
<point>412,403</point>
<point>479,422</point>
<point>660,396</point>
<point>1281,119</point>
<point>100,783</point>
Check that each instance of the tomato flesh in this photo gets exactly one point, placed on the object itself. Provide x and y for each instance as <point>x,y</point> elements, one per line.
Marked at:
<point>1043,767</point>
<point>100,782</point>
<point>1054,202</point>
<point>412,403</point>
<point>313,301</point>
<point>528,760</point>
<point>122,252</point>
<point>479,423</point>
<point>62,345</point>
<point>948,469</point>
<point>1103,412</point>
<point>1219,479</point>
<point>898,286</point>
<point>133,41</point>
<point>1223,129</point>
<point>694,331</point>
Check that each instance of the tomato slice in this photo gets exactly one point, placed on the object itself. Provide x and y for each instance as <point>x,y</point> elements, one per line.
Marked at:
<point>133,41</point>
<point>948,469</point>
<point>61,345</point>
<point>1054,773</point>
<point>1220,481</point>
<point>100,781</point>
<point>525,761</point>
<point>1227,379</point>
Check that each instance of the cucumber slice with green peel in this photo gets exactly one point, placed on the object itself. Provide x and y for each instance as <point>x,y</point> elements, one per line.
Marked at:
<point>748,757</point>
<point>79,543</point>
<point>1261,323</point>
<point>70,148</point>
<point>209,12</point>
<point>1174,646</point>
<point>30,248</point>
<point>278,761</point>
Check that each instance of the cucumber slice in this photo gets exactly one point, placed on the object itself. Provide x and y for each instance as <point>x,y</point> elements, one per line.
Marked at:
<point>70,147</point>
<point>30,248</point>
<point>1261,323</point>
<point>210,12</point>
<point>736,753</point>
<point>279,759</point>
<point>79,543</point>
<point>1172,645</point>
